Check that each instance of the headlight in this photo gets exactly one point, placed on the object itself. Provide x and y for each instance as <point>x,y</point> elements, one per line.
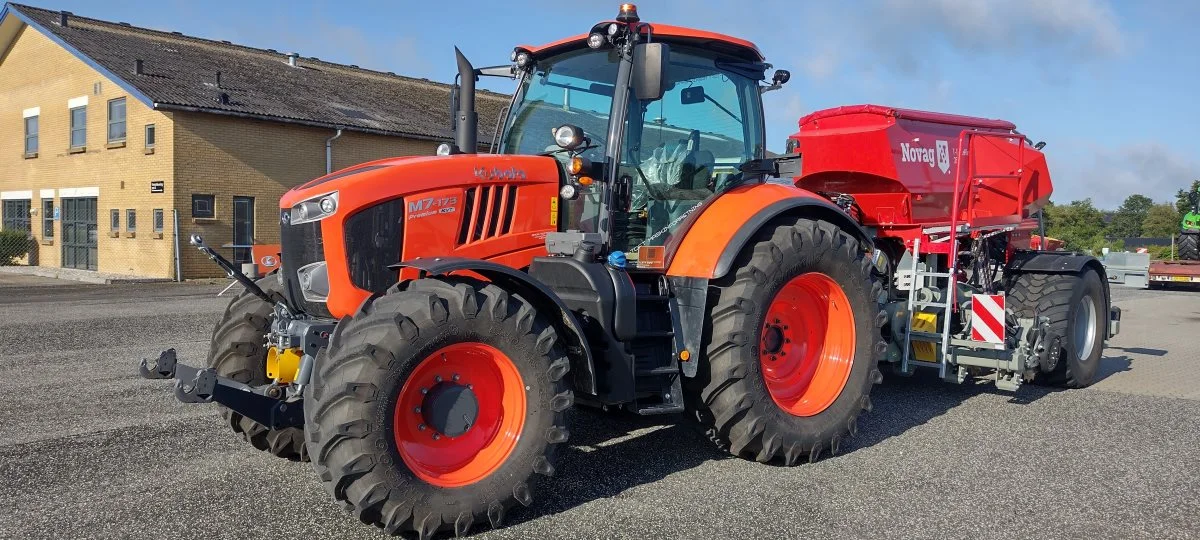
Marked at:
<point>314,209</point>
<point>568,136</point>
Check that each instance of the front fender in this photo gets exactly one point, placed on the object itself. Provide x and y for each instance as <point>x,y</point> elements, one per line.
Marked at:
<point>719,234</point>
<point>533,291</point>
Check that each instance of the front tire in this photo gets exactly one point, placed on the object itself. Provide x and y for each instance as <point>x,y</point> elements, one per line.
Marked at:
<point>793,346</point>
<point>438,406</point>
<point>238,351</point>
<point>1189,246</point>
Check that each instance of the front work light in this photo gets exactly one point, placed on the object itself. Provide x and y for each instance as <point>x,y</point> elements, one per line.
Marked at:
<point>568,136</point>
<point>595,40</point>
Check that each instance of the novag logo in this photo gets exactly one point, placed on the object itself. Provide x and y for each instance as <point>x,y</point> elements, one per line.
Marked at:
<point>936,156</point>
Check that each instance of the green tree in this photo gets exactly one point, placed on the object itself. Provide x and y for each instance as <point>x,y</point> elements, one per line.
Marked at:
<point>1162,221</point>
<point>1183,201</point>
<point>1079,224</point>
<point>1127,220</point>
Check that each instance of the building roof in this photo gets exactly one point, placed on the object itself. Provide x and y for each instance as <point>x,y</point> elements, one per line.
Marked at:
<point>185,73</point>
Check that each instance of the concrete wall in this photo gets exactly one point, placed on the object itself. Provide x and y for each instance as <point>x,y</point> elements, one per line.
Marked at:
<point>38,73</point>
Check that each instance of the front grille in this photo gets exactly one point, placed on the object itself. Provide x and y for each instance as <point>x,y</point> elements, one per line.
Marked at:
<point>488,213</point>
<point>300,245</point>
<point>373,240</point>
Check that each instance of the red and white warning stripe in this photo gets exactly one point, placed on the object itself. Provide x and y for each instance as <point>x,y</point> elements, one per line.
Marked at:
<point>987,318</point>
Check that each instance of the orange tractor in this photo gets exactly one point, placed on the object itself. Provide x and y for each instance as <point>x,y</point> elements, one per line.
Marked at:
<point>629,245</point>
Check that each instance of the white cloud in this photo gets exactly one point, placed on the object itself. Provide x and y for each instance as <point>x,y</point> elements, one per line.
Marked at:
<point>1109,175</point>
<point>1089,27</point>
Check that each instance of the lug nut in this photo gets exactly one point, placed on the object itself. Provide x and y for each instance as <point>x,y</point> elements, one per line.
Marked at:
<point>421,427</point>
<point>437,378</point>
<point>456,377</point>
<point>417,410</point>
<point>424,390</point>
<point>436,436</point>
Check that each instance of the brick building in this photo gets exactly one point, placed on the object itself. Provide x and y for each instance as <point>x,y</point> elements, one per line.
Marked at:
<point>107,130</point>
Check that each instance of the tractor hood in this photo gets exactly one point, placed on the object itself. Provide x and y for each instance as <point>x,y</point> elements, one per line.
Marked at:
<point>375,181</point>
<point>360,220</point>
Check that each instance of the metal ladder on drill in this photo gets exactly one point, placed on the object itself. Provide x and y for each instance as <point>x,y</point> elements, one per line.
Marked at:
<point>919,275</point>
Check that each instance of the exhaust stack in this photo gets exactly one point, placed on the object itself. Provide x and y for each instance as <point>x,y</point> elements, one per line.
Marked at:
<point>466,120</point>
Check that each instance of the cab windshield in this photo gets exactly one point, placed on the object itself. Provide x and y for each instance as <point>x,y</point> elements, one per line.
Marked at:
<point>573,88</point>
<point>678,151</point>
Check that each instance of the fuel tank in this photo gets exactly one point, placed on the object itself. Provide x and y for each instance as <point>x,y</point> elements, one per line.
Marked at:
<point>491,207</point>
<point>900,165</point>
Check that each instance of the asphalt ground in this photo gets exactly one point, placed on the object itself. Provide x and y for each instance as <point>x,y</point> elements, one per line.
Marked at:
<point>88,450</point>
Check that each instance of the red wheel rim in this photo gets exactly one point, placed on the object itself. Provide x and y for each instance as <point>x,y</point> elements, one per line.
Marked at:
<point>494,381</point>
<point>806,344</point>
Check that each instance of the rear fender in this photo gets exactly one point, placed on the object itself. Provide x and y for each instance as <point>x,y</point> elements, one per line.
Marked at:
<point>533,291</point>
<point>725,227</point>
<point>1060,262</point>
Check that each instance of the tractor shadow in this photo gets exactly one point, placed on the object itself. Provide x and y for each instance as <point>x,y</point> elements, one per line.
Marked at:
<point>902,403</point>
<point>609,453</point>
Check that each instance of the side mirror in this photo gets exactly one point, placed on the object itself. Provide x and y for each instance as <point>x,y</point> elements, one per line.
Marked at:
<point>692,95</point>
<point>781,76</point>
<point>650,70</point>
<point>622,193</point>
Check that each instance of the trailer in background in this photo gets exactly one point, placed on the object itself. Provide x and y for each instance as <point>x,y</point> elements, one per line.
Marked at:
<point>1163,273</point>
<point>1127,269</point>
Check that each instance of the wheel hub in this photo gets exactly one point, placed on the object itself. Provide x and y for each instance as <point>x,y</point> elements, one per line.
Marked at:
<point>772,342</point>
<point>450,408</point>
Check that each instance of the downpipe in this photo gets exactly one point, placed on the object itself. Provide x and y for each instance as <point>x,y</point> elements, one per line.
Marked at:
<point>329,151</point>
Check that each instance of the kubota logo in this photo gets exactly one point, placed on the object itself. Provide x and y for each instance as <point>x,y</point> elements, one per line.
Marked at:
<point>938,156</point>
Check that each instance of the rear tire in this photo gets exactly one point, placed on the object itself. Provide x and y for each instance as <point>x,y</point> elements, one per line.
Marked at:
<point>1189,246</point>
<point>1075,305</point>
<point>760,392</point>
<point>370,439</point>
<point>238,351</point>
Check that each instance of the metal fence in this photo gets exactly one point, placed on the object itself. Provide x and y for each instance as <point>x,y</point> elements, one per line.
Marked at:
<point>17,246</point>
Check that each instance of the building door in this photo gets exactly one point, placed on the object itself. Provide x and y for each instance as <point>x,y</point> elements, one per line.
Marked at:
<point>243,228</point>
<point>79,233</point>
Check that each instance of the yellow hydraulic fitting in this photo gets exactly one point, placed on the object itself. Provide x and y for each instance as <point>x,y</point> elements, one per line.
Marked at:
<point>284,365</point>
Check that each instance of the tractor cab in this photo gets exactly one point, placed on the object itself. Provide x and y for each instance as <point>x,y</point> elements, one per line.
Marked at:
<point>648,122</point>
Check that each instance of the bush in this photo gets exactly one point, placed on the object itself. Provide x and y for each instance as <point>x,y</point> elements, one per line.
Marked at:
<point>1160,253</point>
<point>13,246</point>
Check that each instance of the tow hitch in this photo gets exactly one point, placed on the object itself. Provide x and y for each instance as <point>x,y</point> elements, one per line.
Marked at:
<point>271,405</point>
<point>265,405</point>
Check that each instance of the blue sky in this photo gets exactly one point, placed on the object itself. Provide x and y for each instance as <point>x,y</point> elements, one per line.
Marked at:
<point>1111,85</point>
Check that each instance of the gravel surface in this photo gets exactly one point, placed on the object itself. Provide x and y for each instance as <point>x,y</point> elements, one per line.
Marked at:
<point>88,450</point>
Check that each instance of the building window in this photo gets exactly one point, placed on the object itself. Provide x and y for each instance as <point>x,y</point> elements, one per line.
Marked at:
<point>79,127</point>
<point>130,220</point>
<point>31,135</point>
<point>16,215</point>
<point>202,206</point>
<point>149,135</point>
<point>114,220</point>
<point>47,219</point>
<point>116,120</point>
<point>158,220</point>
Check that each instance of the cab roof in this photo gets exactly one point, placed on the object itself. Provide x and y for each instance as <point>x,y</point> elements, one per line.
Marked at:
<point>733,46</point>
